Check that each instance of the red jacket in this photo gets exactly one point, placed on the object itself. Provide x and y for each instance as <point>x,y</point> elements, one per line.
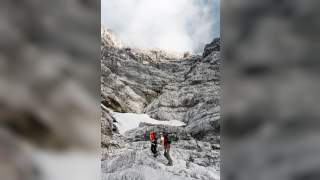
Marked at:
<point>151,136</point>
<point>165,142</point>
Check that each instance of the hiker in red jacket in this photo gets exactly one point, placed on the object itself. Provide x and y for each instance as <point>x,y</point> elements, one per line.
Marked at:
<point>165,142</point>
<point>153,139</point>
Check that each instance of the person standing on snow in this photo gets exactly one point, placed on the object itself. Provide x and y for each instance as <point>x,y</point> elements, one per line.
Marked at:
<point>165,142</point>
<point>153,139</point>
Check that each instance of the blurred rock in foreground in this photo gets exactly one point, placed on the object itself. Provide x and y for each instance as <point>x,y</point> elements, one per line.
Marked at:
<point>271,90</point>
<point>49,95</point>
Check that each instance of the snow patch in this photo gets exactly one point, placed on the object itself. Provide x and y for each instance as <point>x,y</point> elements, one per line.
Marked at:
<point>128,121</point>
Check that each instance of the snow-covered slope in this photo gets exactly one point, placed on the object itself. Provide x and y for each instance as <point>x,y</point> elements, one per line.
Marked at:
<point>128,121</point>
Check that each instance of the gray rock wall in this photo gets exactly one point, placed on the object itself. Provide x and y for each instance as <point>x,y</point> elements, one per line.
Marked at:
<point>165,86</point>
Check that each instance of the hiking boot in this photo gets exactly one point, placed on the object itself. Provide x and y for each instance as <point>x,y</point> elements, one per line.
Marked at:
<point>169,164</point>
<point>155,155</point>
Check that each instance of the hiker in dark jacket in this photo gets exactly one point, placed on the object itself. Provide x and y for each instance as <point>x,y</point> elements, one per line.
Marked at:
<point>165,142</point>
<point>153,139</point>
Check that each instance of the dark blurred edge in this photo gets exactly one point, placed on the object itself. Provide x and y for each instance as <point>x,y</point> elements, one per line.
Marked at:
<point>49,89</point>
<point>271,100</point>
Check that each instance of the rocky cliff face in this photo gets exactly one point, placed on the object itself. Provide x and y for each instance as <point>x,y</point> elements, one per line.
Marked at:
<point>108,39</point>
<point>166,86</point>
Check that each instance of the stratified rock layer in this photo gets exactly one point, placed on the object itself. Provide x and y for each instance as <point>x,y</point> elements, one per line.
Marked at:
<point>165,86</point>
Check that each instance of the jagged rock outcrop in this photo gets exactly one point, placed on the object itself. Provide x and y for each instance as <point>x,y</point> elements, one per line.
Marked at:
<point>128,82</point>
<point>108,39</point>
<point>107,127</point>
<point>213,46</point>
<point>194,97</point>
<point>185,89</point>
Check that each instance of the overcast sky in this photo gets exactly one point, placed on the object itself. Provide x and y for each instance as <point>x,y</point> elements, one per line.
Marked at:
<point>176,25</point>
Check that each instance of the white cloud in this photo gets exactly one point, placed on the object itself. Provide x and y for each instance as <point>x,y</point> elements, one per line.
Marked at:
<point>178,25</point>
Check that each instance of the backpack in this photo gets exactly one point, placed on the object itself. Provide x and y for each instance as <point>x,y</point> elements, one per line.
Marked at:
<point>151,136</point>
<point>168,138</point>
